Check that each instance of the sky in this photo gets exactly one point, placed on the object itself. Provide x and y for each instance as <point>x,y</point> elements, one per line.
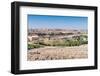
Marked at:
<point>57,22</point>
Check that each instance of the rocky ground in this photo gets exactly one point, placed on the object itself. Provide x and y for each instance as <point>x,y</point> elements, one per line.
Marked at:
<point>55,53</point>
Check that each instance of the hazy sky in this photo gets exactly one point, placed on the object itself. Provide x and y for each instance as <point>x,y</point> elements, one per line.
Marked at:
<point>62,22</point>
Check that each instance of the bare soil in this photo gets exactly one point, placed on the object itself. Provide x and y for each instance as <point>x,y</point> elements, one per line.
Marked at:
<point>55,53</point>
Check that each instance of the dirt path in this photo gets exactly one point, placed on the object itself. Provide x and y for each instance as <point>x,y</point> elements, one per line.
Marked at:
<point>55,53</point>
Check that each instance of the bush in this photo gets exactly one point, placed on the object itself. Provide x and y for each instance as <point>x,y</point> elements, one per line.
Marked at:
<point>72,42</point>
<point>84,42</point>
<point>32,46</point>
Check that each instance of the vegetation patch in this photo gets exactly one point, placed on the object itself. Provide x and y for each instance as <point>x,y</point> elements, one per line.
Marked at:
<point>63,42</point>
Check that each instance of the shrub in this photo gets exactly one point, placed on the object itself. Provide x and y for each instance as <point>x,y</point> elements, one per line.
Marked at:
<point>32,46</point>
